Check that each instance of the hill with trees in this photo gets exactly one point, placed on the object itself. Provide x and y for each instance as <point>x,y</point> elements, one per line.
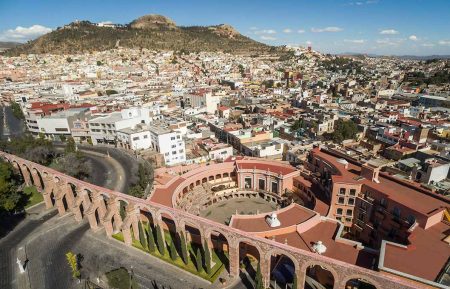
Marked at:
<point>154,32</point>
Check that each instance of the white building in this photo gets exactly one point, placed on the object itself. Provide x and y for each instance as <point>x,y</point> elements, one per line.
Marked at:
<point>135,138</point>
<point>103,129</point>
<point>168,143</point>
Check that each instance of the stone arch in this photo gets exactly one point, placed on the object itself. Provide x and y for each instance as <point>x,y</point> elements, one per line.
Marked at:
<point>359,277</point>
<point>211,178</point>
<point>192,231</point>
<point>329,268</point>
<point>281,271</point>
<point>167,218</point>
<point>222,244</point>
<point>38,179</point>
<point>26,174</point>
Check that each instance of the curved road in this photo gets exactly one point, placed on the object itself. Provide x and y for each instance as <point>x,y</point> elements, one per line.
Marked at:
<point>118,171</point>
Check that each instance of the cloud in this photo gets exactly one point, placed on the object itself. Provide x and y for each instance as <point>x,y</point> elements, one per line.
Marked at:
<point>360,3</point>
<point>105,22</point>
<point>389,32</point>
<point>444,42</point>
<point>265,31</point>
<point>308,42</point>
<point>413,38</point>
<point>300,31</point>
<point>24,33</point>
<point>355,41</point>
<point>390,41</point>
<point>327,29</point>
<point>428,45</point>
<point>253,28</point>
<point>269,38</point>
<point>287,30</point>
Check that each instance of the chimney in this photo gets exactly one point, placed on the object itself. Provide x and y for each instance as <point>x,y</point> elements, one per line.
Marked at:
<point>370,172</point>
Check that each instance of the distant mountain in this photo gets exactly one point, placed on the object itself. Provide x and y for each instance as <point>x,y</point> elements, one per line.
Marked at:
<point>149,31</point>
<point>8,45</point>
<point>411,57</point>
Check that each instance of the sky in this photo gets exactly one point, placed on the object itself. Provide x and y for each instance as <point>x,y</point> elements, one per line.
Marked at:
<point>385,27</point>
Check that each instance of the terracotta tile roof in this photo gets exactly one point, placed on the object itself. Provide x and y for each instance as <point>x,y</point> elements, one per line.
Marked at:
<point>397,190</point>
<point>288,216</point>
<point>425,257</point>
<point>163,195</point>
<point>325,232</point>
<point>273,167</point>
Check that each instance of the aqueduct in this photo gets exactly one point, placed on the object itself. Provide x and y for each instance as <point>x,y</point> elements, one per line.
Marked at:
<point>101,207</point>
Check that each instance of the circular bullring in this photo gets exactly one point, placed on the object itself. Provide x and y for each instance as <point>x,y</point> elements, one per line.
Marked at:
<point>238,185</point>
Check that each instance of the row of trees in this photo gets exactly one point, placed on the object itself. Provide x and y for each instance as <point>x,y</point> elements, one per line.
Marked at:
<point>42,151</point>
<point>152,239</point>
<point>11,197</point>
<point>145,176</point>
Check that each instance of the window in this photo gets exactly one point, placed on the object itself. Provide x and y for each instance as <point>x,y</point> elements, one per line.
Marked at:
<point>352,192</point>
<point>178,137</point>
<point>397,212</point>
<point>342,191</point>
<point>145,136</point>
<point>339,211</point>
<point>411,219</point>
<point>181,151</point>
<point>174,152</point>
<point>136,138</point>
<point>349,212</point>
<point>339,218</point>
<point>351,201</point>
<point>61,129</point>
<point>383,202</point>
<point>166,154</point>
<point>348,219</point>
<point>361,216</point>
<point>172,138</point>
<point>174,146</point>
<point>341,200</point>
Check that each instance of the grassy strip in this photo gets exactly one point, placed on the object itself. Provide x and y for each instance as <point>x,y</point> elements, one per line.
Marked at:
<point>216,270</point>
<point>34,197</point>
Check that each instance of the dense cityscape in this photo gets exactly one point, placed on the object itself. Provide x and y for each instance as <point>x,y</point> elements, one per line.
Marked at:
<point>284,167</point>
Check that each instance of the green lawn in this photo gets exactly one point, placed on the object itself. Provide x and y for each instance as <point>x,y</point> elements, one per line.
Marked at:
<point>190,267</point>
<point>34,197</point>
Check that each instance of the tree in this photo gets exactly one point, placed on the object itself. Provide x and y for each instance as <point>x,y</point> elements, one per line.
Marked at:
<point>70,146</point>
<point>142,238</point>
<point>198,260</point>
<point>258,278</point>
<point>136,191</point>
<point>73,263</point>
<point>160,241</point>
<point>207,257</point>
<point>151,239</point>
<point>295,282</point>
<point>10,196</point>
<point>173,250</point>
<point>183,248</point>
<point>16,110</point>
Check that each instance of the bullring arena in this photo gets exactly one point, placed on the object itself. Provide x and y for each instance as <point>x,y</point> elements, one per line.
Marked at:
<point>295,238</point>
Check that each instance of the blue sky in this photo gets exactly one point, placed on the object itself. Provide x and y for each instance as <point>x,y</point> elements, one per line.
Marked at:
<point>419,27</point>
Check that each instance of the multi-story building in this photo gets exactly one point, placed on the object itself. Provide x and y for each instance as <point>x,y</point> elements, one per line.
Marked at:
<point>169,143</point>
<point>103,129</point>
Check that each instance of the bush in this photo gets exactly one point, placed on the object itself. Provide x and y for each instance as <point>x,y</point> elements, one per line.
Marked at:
<point>120,279</point>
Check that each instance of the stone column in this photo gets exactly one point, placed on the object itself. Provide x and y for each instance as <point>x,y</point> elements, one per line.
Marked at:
<point>233,256</point>
<point>300,277</point>
<point>127,236</point>
<point>265,268</point>
<point>48,189</point>
<point>92,220</point>
<point>26,176</point>
<point>37,180</point>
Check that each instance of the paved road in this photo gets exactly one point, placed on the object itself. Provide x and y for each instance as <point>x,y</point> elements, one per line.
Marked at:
<point>117,172</point>
<point>9,245</point>
<point>47,238</point>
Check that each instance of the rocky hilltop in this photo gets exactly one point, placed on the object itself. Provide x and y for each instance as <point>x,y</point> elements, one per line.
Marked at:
<point>150,31</point>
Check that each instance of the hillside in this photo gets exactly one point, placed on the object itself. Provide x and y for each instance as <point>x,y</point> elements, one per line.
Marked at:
<point>150,31</point>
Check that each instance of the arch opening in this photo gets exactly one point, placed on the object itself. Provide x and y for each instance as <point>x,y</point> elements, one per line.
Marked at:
<point>318,277</point>
<point>358,283</point>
